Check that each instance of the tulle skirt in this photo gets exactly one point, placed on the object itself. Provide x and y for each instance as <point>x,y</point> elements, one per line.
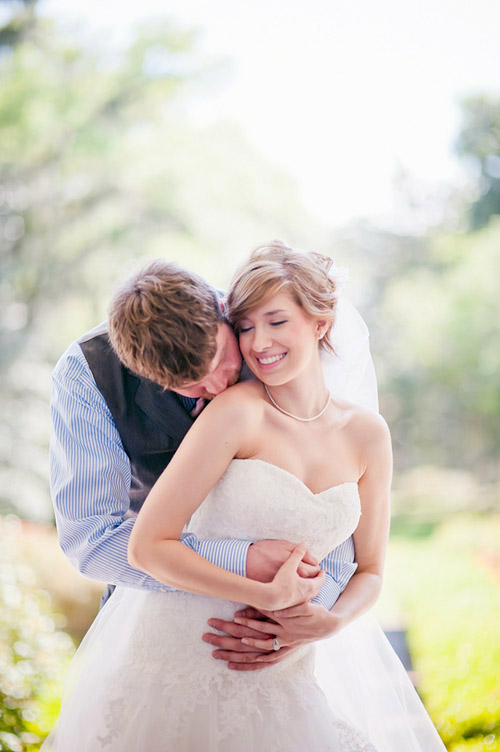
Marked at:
<point>366,682</point>
<point>143,681</point>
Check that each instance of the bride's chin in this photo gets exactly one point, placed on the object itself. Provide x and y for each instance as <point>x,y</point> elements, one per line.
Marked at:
<point>273,377</point>
<point>269,379</point>
<point>274,382</point>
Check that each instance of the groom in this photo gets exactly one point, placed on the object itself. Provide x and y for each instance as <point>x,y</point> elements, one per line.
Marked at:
<point>125,394</point>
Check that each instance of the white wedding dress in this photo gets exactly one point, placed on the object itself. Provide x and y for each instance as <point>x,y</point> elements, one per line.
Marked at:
<point>144,681</point>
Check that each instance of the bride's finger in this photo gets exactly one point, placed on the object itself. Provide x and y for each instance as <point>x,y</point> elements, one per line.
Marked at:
<point>221,642</point>
<point>312,586</point>
<point>267,614</point>
<point>306,570</point>
<point>303,609</point>
<point>259,626</point>
<point>274,657</point>
<point>260,644</point>
<point>295,557</point>
<point>319,579</point>
<point>308,558</point>
<point>235,628</point>
<point>259,661</point>
<point>251,613</point>
<point>237,657</point>
<point>320,583</point>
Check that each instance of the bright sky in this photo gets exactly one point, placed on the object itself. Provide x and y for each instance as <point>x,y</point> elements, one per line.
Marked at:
<point>342,94</point>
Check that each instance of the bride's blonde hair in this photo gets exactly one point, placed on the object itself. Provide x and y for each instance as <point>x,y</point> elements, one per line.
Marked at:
<point>274,268</point>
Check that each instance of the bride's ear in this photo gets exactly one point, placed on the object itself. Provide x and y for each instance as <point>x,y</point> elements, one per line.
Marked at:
<point>321,328</point>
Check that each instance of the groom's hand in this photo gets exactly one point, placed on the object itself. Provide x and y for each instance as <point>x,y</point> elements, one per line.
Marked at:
<point>265,557</point>
<point>230,647</point>
<point>293,628</point>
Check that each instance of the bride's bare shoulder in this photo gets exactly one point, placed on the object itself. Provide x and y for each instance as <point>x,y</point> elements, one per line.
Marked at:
<point>246,391</point>
<point>363,424</point>
<point>242,402</point>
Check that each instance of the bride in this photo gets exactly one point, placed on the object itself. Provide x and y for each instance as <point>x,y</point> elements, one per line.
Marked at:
<point>275,457</point>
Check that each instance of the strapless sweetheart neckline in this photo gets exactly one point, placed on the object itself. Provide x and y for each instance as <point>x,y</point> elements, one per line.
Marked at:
<point>294,477</point>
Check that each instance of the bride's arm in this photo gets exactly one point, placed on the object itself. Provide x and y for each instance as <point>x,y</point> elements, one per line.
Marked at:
<point>218,435</point>
<point>371,535</point>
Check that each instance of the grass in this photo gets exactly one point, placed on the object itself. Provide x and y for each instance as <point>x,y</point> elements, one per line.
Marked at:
<point>451,598</point>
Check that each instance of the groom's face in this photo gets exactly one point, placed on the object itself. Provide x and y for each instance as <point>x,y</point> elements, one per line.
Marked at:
<point>224,370</point>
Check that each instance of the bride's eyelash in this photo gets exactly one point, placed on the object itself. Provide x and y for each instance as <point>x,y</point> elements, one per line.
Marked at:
<point>243,329</point>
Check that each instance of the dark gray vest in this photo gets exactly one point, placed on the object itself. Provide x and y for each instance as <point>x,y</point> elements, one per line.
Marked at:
<point>151,421</point>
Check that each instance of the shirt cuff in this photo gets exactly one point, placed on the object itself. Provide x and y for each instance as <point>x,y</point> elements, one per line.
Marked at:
<point>227,553</point>
<point>328,594</point>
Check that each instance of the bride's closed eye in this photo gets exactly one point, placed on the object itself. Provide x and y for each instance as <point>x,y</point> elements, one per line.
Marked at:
<point>244,329</point>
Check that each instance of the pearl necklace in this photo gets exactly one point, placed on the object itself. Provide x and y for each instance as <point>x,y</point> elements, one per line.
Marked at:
<point>290,415</point>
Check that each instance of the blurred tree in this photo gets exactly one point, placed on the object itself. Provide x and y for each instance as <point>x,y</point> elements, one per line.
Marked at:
<point>19,22</point>
<point>433,308</point>
<point>479,141</point>
<point>69,202</point>
<point>64,127</point>
<point>99,165</point>
<point>432,304</point>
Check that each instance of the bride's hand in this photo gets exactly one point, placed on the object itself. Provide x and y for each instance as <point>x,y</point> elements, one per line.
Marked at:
<point>288,588</point>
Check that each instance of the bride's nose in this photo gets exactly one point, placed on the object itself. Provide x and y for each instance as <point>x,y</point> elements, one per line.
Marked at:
<point>262,339</point>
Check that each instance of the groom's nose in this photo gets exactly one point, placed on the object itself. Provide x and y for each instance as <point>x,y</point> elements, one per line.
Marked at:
<point>216,383</point>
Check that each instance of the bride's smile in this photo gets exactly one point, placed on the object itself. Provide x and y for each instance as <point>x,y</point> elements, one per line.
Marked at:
<point>270,360</point>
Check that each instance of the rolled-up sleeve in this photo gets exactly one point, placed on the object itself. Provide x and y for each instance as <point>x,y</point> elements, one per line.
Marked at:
<point>339,566</point>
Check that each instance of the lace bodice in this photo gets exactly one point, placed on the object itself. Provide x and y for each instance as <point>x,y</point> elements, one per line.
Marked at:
<point>255,500</point>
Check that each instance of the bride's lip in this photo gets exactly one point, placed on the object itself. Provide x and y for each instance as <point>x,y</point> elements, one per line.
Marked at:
<point>269,361</point>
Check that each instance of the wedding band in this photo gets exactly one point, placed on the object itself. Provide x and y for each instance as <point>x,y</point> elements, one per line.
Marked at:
<point>276,645</point>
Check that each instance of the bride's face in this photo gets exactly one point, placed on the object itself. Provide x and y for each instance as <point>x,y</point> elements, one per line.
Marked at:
<point>279,339</point>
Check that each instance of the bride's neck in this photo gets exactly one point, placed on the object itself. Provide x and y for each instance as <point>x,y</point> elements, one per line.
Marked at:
<point>305,395</point>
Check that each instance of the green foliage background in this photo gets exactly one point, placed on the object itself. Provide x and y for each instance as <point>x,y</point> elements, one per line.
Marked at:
<point>34,651</point>
<point>100,165</point>
<point>453,619</point>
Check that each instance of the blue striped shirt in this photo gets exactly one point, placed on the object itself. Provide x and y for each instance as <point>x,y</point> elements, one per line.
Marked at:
<point>90,472</point>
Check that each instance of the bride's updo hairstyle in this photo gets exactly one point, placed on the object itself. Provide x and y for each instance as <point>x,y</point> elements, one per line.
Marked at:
<point>275,268</point>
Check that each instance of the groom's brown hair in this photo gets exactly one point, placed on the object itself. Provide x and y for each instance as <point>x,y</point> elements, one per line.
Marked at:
<point>163,324</point>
